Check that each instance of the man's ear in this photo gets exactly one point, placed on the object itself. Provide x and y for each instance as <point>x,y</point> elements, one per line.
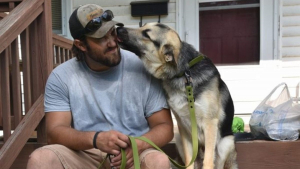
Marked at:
<point>168,52</point>
<point>80,45</point>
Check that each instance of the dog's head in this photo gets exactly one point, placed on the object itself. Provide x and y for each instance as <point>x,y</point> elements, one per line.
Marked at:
<point>156,44</point>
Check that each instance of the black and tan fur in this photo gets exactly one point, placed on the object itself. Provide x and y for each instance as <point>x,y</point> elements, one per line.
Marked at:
<point>165,56</point>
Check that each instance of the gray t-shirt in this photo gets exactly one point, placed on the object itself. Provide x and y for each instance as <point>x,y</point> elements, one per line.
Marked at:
<point>120,98</point>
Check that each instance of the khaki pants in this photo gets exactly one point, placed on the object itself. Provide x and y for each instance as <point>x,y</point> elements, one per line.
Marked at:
<point>87,159</point>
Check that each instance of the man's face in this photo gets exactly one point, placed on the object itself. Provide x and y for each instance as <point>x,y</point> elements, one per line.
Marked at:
<point>105,50</point>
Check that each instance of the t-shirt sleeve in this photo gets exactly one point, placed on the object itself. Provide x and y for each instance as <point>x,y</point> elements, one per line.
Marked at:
<point>156,100</point>
<point>56,95</point>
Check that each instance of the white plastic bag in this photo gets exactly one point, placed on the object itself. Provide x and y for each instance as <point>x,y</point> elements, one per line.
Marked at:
<point>277,119</point>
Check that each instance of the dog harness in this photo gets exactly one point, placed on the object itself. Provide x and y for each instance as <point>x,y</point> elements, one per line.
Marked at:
<point>190,99</point>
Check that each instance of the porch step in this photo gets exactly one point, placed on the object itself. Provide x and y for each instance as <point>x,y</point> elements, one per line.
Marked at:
<point>21,160</point>
<point>258,154</point>
<point>261,154</point>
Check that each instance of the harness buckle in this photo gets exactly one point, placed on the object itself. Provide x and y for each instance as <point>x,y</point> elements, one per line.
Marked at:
<point>188,78</point>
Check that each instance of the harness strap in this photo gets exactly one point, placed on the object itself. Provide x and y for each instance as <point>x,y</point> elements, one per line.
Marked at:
<point>192,63</point>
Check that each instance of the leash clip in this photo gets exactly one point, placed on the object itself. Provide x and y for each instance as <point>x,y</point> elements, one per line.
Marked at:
<point>188,78</point>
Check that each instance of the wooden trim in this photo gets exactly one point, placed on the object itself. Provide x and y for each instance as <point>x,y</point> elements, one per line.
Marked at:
<point>16,83</point>
<point>11,6</point>
<point>5,93</point>
<point>57,57</point>
<point>45,57</point>
<point>15,143</point>
<point>62,42</point>
<point>18,20</point>
<point>35,65</point>
<point>2,15</point>
<point>62,55</point>
<point>67,54</point>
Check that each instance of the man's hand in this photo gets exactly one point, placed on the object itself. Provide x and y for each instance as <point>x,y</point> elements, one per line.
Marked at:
<point>112,141</point>
<point>161,132</point>
<point>116,161</point>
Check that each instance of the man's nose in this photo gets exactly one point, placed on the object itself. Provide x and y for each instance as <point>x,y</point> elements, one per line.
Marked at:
<point>112,41</point>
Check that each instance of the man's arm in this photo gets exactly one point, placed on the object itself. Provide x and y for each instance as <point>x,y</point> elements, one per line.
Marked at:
<point>60,132</point>
<point>161,132</point>
<point>161,129</point>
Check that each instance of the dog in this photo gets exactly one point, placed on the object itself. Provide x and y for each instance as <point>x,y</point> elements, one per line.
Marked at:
<point>165,56</point>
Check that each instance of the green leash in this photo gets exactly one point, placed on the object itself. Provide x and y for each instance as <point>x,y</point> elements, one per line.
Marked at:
<point>189,92</point>
<point>190,97</point>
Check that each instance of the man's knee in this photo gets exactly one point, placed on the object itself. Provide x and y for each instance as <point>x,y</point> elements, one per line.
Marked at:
<point>156,160</point>
<point>42,157</point>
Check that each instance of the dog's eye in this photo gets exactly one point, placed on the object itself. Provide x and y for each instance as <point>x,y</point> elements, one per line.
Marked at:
<point>145,34</point>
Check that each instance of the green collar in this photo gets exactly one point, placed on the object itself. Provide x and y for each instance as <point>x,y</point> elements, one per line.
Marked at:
<point>192,63</point>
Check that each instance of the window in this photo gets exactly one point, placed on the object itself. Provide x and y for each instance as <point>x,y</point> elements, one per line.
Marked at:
<point>56,16</point>
<point>229,31</point>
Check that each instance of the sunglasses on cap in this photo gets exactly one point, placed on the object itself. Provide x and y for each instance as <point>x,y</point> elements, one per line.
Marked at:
<point>96,23</point>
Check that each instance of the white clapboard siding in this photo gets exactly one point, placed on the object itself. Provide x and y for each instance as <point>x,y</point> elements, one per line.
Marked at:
<point>292,10</point>
<point>290,52</point>
<point>171,25</point>
<point>108,3</point>
<point>122,12</point>
<point>291,73</point>
<point>291,31</point>
<point>291,21</point>
<point>290,40</point>
<point>245,108</point>
<point>290,2</point>
<point>250,84</point>
<point>128,19</point>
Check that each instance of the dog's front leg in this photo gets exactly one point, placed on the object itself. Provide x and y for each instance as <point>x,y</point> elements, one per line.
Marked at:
<point>210,133</point>
<point>187,148</point>
<point>184,145</point>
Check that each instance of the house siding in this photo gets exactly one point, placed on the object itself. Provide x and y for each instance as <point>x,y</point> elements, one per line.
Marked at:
<point>122,12</point>
<point>290,27</point>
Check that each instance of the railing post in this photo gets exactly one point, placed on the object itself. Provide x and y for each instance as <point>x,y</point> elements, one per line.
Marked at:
<point>5,94</point>
<point>45,55</point>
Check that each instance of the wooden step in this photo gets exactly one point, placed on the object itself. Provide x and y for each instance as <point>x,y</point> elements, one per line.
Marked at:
<point>258,154</point>
<point>21,160</point>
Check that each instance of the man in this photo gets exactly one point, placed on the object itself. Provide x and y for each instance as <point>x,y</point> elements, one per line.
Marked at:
<point>93,101</point>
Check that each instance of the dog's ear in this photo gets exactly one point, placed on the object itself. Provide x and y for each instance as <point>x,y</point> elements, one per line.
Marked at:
<point>168,52</point>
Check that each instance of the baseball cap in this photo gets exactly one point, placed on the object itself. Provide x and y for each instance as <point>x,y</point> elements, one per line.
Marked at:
<point>83,15</point>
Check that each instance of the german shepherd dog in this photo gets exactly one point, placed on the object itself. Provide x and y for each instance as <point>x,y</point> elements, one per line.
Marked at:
<point>165,56</point>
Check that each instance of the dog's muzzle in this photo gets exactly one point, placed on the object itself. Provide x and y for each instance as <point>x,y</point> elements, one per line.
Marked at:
<point>122,34</point>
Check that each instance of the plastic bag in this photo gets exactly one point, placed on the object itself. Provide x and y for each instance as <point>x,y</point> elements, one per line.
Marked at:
<point>276,119</point>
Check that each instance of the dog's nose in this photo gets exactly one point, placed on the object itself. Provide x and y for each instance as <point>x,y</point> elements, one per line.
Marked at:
<point>122,33</point>
<point>121,30</point>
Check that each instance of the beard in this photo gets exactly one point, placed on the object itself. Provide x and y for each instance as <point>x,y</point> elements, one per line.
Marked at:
<point>109,61</point>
